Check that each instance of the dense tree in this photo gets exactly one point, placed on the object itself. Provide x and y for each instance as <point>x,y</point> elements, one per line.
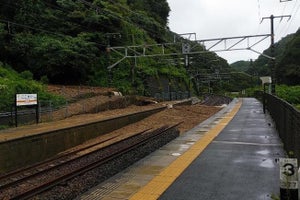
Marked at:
<point>65,42</point>
<point>288,65</point>
<point>158,9</point>
<point>287,54</point>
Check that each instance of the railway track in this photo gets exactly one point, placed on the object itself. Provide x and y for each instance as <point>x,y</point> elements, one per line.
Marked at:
<point>9,178</point>
<point>34,180</point>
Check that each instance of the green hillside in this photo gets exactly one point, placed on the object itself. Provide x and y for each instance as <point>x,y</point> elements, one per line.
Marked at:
<point>12,83</point>
<point>287,63</point>
<point>66,42</point>
<point>242,65</point>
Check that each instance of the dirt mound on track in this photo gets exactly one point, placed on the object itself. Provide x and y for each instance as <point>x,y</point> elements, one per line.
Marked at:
<point>78,92</point>
<point>189,115</point>
<point>85,100</point>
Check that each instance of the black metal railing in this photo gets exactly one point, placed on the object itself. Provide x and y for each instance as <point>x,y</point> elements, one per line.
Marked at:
<point>287,120</point>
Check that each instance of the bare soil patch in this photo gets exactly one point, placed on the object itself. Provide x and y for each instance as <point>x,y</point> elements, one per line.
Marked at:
<point>188,115</point>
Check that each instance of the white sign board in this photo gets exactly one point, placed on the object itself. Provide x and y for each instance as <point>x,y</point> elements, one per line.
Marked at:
<point>186,48</point>
<point>266,79</point>
<point>26,99</point>
<point>288,173</point>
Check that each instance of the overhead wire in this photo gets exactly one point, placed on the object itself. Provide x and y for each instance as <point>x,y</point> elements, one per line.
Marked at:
<point>276,30</point>
<point>293,13</point>
<point>64,10</point>
<point>111,14</point>
<point>259,16</point>
<point>275,6</point>
<point>11,22</point>
<point>282,13</point>
<point>102,10</point>
<point>138,14</point>
<point>9,5</point>
<point>29,27</point>
<point>279,29</point>
<point>292,19</point>
<point>70,11</point>
<point>97,8</point>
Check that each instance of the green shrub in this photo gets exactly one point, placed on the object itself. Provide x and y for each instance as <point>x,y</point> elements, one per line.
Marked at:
<point>11,83</point>
<point>289,93</point>
<point>27,75</point>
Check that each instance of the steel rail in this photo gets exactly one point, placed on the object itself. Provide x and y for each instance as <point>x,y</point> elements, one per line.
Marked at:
<point>31,171</point>
<point>83,169</point>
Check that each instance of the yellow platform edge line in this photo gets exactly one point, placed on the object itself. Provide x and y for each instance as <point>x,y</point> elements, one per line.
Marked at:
<point>160,183</point>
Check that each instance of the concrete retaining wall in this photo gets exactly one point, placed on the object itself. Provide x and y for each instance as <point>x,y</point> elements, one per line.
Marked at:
<point>28,150</point>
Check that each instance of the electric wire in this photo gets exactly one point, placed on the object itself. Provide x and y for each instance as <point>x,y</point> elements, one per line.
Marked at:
<point>259,16</point>
<point>79,25</point>
<point>292,19</point>
<point>9,5</point>
<point>279,22</point>
<point>9,22</point>
<point>118,17</point>
<point>286,27</point>
<point>71,11</point>
<point>29,27</point>
<point>66,11</point>
<point>279,31</point>
<point>138,14</point>
<point>83,28</point>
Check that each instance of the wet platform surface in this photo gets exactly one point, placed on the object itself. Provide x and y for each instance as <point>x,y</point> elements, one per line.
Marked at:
<point>229,156</point>
<point>240,163</point>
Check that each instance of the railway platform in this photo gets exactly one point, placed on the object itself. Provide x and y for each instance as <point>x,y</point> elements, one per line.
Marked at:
<point>230,156</point>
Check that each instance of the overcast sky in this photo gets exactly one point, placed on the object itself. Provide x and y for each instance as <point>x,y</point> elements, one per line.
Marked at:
<point>229,18</point>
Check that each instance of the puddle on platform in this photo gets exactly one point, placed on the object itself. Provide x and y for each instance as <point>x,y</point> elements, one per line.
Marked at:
<point>183,147</point>
<point>263,152</point>
<point>234,130</point>
<point>201,132</point>
<point>267,163</point>
<point>190,143</point>
<point>176,154</point>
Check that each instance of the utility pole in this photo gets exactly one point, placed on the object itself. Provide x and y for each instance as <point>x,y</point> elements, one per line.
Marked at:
<point>272,62</point>
<point>186,49</point>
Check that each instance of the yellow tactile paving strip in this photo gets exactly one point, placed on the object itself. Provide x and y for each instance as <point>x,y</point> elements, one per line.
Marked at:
<point>160,183</point>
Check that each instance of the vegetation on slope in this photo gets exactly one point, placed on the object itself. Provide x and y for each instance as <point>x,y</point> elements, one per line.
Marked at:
<point>287,63</point>
<point>66,42</point>
<point>12,83</point>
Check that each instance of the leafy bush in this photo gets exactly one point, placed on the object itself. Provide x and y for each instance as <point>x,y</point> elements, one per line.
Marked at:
<point>26,75</point>
<point>289,93</point>
<point>12,83</point>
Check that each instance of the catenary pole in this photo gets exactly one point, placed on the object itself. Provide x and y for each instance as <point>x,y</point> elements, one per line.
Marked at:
<point>272,47</point>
